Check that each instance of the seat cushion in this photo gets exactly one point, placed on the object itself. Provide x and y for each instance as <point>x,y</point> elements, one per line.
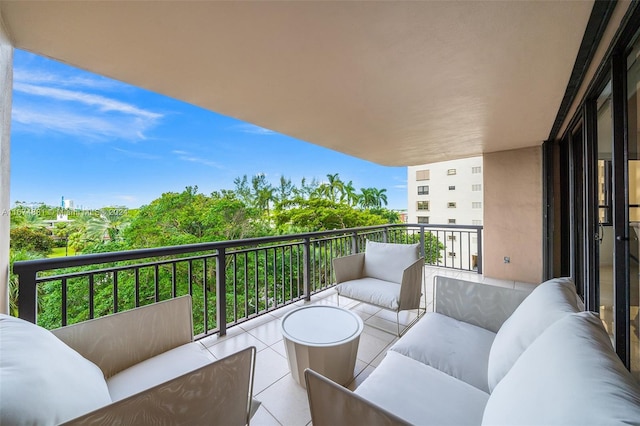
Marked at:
<point>42,380</point>
<point>454,347</point>
<point>569,376</point>
<point>546,304</point>
<point>421,394</point>
<point>158,369</point>
<point>387,262</point>
<point>373,291</point>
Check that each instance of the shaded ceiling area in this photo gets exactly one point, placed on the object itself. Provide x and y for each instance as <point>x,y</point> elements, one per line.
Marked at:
<point>396,83</point>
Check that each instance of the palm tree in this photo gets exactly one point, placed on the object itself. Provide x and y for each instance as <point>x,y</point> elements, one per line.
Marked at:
<point>350,195</point>
<point>366,198</point>
<point>380,196</point>
<point>108,225</point>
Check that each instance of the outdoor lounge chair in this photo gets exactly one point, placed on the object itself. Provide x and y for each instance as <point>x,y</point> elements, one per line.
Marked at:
<point>386,275</point>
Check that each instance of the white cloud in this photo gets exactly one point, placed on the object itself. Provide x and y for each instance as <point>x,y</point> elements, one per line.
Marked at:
<point>65,103</point>
<point>254,130</point>
<point>39,77</point>
<point>186,156</point>
<point>400,186</point>
<point>101,102</point>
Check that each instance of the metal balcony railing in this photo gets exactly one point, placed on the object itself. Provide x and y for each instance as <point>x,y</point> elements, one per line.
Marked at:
<point>229,281</point>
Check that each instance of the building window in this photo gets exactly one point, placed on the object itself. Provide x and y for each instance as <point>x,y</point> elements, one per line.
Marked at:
<point>452,254</point>
<point>452,188</point>
<point>476,205</point>
<point>452,221</point>
<point>422,174</point>
<point>423,190</point>
<point>423,205</point>
<point>476,187</point>
<point>451,172</point>
<point>476,169</point>
<point>423,219</point>
<point>451,205</point>
<point>476,222</point>
<point>451,237</point>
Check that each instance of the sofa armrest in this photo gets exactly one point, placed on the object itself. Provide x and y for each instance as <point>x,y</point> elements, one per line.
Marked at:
<point>484,305</point>
<point>411,286</point>
<point>217,393</point>
<point>348,268</point>
<point>334,405</point>
<point>118,341</point>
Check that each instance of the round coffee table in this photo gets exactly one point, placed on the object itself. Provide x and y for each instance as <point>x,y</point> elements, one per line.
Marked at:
<point>324,339</point>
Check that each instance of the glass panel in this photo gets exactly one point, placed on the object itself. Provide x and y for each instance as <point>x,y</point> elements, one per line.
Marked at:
<point>633,86</point>
<point>605,235</point>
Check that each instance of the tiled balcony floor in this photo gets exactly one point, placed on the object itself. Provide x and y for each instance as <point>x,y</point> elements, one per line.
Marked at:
<point>284,402</point>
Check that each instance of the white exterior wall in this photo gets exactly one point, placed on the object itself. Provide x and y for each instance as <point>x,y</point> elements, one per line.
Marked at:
<point>468,210</point>
<point>6,87</point>
<point>440,195</point>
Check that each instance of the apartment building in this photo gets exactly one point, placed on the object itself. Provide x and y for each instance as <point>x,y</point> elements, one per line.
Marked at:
<point>446,193</point>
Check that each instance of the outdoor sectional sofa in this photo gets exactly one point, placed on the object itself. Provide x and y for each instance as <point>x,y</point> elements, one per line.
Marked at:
<point>491,356</point>
<point>135,367</point>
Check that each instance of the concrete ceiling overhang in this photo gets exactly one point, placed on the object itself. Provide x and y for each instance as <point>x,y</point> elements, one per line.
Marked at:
<point>396,83</point>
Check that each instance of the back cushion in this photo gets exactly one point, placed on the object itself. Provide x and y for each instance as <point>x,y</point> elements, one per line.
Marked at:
<point>568,376</point>
<point>546,304</point>
<point>42,380</point>
<point>387,262</point>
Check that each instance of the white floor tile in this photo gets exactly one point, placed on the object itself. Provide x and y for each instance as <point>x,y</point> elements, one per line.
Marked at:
<point>268,333</point>
<point>255,322</point>
<point>280,348</point>
<point>270,367</point>
<point>235,344</point>
<point>287,402</point>
<point>263,418</point>
<point>369,347</point>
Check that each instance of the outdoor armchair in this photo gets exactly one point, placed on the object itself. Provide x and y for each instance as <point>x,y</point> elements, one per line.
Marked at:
<point>386,275</point>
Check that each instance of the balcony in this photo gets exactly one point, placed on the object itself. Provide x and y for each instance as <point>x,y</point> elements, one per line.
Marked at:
<point>283,400</point>
<point>246,286</point>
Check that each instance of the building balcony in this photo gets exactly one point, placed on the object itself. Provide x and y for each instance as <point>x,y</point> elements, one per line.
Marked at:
<point>284,402</point>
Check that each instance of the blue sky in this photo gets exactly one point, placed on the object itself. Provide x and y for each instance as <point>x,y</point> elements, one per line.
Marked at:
<point>100,142</point>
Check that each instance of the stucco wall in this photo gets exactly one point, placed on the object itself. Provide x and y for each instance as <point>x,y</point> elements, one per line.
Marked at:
<point>6,86</point>
<point>513,215</point>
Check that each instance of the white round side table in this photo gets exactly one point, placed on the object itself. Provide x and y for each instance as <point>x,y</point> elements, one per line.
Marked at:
<point>323,338</point>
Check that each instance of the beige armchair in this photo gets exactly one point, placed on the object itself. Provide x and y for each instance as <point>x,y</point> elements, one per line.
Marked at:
<point>135,367</point>
<point>386,275</point>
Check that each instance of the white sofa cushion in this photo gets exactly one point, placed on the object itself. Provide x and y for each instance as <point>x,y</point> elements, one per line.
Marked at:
<point>547,303</point>
<point>387,262</point>
<point>158,369</point>
<point>454,347</point>
<point>421,394</point>
<point>42,380</point>
<point>373,291</point>
<point>569,376</point>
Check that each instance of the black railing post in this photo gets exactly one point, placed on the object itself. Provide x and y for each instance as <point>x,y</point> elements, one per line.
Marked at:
<point>422,248</point>
<point>354,243</point>
<point>221,290</point>
<point>27,299</point>
<point>479,242</point>
<point>306,264</point>
<point>385,235</point>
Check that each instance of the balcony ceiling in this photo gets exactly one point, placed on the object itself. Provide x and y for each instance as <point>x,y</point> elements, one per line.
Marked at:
<point>396,83</point>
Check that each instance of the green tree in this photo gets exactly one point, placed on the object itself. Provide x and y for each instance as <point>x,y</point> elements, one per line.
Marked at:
<point>36,240</point>
<point>320,214</point>
<point>15,256</point>
<point>108,225</point>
